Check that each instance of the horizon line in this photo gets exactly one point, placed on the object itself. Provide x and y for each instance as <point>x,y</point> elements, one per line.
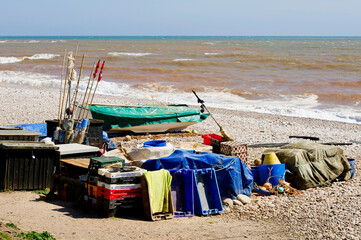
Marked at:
<point>3,36</point>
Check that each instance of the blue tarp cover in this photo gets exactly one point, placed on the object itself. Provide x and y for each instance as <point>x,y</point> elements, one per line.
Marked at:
<point>233,175</point>
<point>34,127</point>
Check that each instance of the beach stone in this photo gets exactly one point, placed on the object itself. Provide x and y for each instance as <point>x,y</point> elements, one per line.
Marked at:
<point>244,199</point>
<point>228,202</point>
<point>237,203</point>
<point>128,138</point>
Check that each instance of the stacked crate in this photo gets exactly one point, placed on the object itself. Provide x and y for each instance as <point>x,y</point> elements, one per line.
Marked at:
<point>119,190</point>
<point>92,181</point>
<point>234,148</point>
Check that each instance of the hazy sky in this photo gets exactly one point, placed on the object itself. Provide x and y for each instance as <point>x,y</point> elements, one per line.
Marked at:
<point>181,17</point>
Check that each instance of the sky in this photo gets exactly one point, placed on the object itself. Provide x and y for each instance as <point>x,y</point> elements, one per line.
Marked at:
<point>180,18</point>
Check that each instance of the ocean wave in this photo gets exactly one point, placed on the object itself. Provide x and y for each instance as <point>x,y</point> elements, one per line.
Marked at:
<point>29,79</point>
<point>42,56</point>
<point>117,54</point>
<point>5,60</point>
<point>183,59</point>
<point>211,54</point>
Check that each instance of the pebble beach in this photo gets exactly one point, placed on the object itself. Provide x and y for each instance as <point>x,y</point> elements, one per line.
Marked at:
<point>332,212</point>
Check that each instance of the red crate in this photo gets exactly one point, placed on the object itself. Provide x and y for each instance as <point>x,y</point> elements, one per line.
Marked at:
<point>207,138</point>
<point>119,194</point>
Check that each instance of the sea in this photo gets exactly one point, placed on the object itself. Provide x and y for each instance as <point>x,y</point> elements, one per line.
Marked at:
<point>312,77</point>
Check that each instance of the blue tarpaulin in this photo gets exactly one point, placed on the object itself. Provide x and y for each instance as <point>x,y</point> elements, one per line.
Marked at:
<point>34,127</point>
<point>233,175</point>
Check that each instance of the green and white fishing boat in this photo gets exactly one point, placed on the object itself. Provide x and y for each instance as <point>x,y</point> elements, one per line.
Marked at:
<point>147,118</point>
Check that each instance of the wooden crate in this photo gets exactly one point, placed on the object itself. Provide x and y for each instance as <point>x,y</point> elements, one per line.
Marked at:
<point>234,148</point>
<point>148,207</point>
<point>19,135</point>
<point>27,165</point>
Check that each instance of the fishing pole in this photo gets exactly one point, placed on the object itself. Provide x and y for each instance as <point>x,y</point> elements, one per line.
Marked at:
<point>60,111</point>
<point>77,86</point>
<point>91,87</point>
<point>65,83</point>
<point>96,86</point>
<point>86,91</point>
<point>224,134</point>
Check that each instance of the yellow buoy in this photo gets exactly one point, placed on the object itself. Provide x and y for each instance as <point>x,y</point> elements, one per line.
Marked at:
<point>270,158</point>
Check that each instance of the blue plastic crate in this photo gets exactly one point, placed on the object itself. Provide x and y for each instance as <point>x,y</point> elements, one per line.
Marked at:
<point>182,192</point>
<point>207,199</point>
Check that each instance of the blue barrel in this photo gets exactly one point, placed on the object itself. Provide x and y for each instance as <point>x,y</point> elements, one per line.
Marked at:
<point>275,171</point>
<point>255,173</point>
<point>352,163</point>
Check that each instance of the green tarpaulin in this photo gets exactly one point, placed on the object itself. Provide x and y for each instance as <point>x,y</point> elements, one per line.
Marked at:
<point>311,164</point>
<point>116,117</point>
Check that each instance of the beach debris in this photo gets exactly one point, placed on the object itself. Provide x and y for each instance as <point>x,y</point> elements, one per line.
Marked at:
<point>221,130</point>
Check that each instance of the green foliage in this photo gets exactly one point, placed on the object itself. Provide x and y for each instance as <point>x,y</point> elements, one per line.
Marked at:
<point>35,236</point>
<point>45,191</point>
<point>5,236</point>
<point>12,225</point>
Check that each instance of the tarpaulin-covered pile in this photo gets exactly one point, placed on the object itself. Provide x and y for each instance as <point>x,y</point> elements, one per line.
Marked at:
<point>233,175</point>
<point>311,164</point>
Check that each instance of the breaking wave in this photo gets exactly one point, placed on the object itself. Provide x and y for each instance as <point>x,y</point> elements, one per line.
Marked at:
<point>117,54</point>
<point>183,59</point>
<point>5,60</point>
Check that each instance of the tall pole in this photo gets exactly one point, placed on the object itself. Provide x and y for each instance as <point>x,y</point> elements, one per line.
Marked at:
<point>65,83</point>
<point>60,111</point>
<point>91,87</point>
<point>77,86</point>
<point>86,91</point>
<point>96,86</point>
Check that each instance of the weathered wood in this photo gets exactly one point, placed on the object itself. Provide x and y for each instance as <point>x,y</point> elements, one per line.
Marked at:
<point>266,145</point>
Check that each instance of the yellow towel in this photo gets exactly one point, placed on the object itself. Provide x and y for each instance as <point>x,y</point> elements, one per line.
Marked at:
<point>159,183</point>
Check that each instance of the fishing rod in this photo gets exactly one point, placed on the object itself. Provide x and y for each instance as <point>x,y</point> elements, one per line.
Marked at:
<point>91,87</point>
<point>60,111</point>
<point>86,91</point>
<point>96,86</point>
<point>65,83</point>
<point>77,87</point>
<point>224,134</point>
<point>82,127</point>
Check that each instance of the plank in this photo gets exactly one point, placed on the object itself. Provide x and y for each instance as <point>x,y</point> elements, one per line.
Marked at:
<point>267,145</point>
